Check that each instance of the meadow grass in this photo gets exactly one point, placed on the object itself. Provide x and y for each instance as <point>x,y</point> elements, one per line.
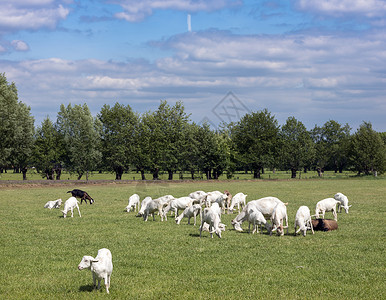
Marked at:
<point>40,250</point>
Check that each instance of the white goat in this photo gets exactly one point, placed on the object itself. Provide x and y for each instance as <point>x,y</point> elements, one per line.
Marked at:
<point>53,204</point>
<point>343,202</point>
<point>205,227</point>
<point>278,216</point>
<point>255,217</point>
<point>133,202</point>
<point>216,197</point>
<point>328,204</point>
<point>143,206</point>
<point>151,207</point>
<point>198,196</point>
<point>101,267</point>
<point>70,204</point>
<point>265,205</point>
<point>191,211</point>
<point>303,220</point>
<point>178,204</point>
<point>165,199</point>
<point>213,219</point>
<point>240,200</point>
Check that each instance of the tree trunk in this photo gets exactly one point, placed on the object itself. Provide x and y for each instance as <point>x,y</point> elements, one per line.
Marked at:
<point>24,171</point>
<point>293,172</point>
<point>79,176</point>
<point>170,175</point>
<point>192,173</point>
<point>58,172</point>
<point>143,175</point>
<point>155,174</point>
<point>256,173</point>
<point>118,173</point>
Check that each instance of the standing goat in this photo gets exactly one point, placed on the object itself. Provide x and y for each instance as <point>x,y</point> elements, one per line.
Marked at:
<point>343,202</point>
<point>101,267</point>
<point>303,220</point>
<point>70,204</point>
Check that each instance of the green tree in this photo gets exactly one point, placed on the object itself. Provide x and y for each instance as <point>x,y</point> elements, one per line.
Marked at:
<point>331,141</point>
<point>48,150</point>
<point>117,137</point>
<point>16,129</point>
<point>367,151</point>
<point>296,146</point>
<point>165,131</point>
<point>81,135</point>
<point>255,137</point>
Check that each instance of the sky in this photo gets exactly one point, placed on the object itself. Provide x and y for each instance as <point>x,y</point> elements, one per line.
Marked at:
<point>315,60</point>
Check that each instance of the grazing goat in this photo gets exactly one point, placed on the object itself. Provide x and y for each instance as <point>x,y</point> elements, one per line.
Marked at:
<point>151,207</point>
<point>53,204</point>
<point>303,220</point>
<point>101,267</point>
<point>216,197</point>
<point>70,204</point>
<point>205,227</point>
<point>324,225</point>
<point>255,217</point>
<point>143,206</point>
<point>82,195</point>
<point>177,204</point>
<point>133,202</point>
<point>240,200</point>
<point>278,216</point>
<point>343,202</point>
<point>328,204</point>
<point>212,218</point>
<point>265,205</point>
<point>191,211</point>
<point>198,196</point>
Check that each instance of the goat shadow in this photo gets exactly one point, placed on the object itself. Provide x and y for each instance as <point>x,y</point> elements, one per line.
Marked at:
<point>86,288</point>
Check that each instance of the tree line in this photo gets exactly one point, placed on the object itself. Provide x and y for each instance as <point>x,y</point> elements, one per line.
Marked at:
<point>165,140</point>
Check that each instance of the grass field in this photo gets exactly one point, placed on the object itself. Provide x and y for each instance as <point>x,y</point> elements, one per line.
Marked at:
<point>40,250</point>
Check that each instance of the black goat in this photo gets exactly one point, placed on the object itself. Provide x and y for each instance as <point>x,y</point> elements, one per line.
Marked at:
<point>82,195</point>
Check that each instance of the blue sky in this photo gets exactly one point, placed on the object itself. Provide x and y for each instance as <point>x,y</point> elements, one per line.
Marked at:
<point>316,60</point>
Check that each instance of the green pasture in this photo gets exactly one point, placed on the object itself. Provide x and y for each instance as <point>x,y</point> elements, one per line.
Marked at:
<point>40,250</point>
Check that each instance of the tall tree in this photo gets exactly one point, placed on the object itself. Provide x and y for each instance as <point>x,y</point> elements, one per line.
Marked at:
<point>331,140</point>
<point>255,137</point>
<point>296,146</point>
<point>48,150</point>
<point>117,137</point>
<point>367,151</point>
<point>16,129</point>
<point>81,134</point>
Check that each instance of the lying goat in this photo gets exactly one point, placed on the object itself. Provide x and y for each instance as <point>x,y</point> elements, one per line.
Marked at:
<point>53,204</point>
<point>324,225</point>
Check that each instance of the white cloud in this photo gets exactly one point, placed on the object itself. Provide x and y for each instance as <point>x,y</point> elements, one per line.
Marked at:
<point>134,11</point>
<point>31,14</point>
<point>20,45</point>
<point>368,8</point>
<point>301,75</point>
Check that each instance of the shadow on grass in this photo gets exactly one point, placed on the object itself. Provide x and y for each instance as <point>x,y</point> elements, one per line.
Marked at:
<point>86,288</point>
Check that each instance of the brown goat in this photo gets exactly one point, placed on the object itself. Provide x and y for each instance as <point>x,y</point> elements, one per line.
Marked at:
<point>324,224</point>
<point>228,200</point>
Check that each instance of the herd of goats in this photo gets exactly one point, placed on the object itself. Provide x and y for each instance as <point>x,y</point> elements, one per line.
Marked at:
<point>255,212</point>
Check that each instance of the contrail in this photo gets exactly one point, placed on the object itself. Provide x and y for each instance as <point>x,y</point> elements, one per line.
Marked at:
<point>189,20</point>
